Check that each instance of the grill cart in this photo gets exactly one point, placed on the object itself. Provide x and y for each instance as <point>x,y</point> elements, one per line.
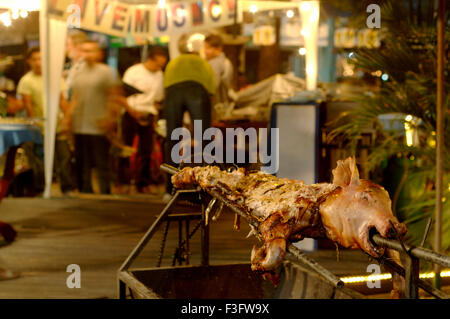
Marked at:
<point>300,275</point>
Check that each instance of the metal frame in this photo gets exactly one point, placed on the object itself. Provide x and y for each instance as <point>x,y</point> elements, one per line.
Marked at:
<point>126,278</point>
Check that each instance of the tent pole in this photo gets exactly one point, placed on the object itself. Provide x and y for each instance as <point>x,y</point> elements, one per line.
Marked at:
<point>44,36</point>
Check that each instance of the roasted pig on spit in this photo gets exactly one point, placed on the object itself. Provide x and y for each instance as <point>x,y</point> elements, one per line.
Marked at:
<point>347,211</point>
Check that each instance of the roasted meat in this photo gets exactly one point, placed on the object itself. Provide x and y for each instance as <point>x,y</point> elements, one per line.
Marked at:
<point>346,211</point>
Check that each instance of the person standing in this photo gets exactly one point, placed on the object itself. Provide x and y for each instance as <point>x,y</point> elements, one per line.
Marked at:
<point>30,89</point>
<point>223,69</point>
<point>141,113</point>
<point>189,84</point>
<point>30,85</point>
<point>74,41</point>
<point>92,86</point>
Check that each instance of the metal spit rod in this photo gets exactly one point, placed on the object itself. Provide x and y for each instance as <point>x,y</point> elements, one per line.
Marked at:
<point>323,272</point>
<point>418,252</point>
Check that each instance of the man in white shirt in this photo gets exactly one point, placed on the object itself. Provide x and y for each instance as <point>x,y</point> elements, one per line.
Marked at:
<point>141,112</point>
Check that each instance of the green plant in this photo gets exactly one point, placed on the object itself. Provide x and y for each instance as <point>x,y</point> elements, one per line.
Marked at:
<point>409,57</point>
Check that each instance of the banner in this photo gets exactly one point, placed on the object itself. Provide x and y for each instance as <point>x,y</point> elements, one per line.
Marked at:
<point>119,19</point>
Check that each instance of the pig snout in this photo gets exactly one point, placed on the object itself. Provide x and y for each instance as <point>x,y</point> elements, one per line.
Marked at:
<point>388,226</point>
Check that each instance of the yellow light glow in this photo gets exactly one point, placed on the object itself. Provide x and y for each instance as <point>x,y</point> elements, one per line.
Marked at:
<point>409,130</point>
<point>164,39</point>
<point>386,276</point>
<point>302,51</point>
<point>309,14</point>
<point>432,143</point>
<point>290,14</point>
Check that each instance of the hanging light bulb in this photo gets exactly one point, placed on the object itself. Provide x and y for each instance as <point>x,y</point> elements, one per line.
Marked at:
<point>302,51</point>
<point>290,14</point>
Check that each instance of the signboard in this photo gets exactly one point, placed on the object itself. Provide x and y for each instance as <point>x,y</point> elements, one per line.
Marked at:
<point>350,38</point>
<point>264,35</point>
<point>119,19</point>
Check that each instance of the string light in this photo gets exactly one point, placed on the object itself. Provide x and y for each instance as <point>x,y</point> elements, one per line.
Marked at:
<point>302,51</point>
<point>386,276</point>
<point>253,8</point>
<point>290,14</point>
<point>14,14</point>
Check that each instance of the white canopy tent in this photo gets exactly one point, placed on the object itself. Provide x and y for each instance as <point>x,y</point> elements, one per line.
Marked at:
<point>56,14</point>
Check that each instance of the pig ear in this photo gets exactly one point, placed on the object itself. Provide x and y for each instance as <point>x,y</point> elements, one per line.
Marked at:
<point>346,173</point>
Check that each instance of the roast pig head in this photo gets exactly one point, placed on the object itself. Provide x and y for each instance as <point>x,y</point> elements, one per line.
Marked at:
<point>358,209</point>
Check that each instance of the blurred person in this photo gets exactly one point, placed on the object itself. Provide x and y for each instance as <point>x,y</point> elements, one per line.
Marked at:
<point>73,48</point>
<point>30,85</point>
<point>30,89</point>
<point>93,87</point>
<point>189,83</point>
<point>141,114</point>
<point>223,69</point>
<point>8,101</point>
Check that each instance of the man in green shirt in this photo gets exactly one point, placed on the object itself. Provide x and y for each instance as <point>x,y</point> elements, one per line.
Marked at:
<point>189,84</point>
